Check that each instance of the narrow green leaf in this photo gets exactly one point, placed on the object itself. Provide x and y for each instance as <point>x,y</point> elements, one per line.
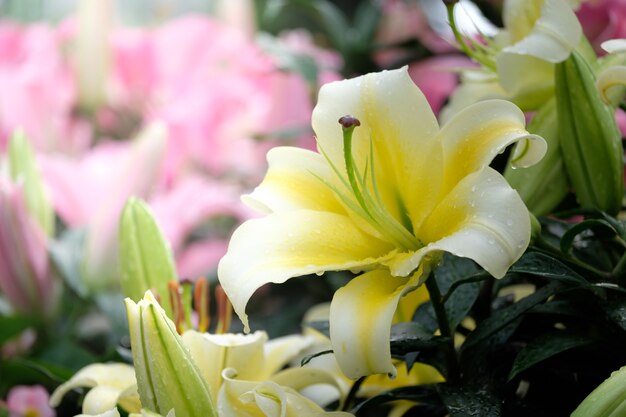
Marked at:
<point>501,318</point>
<point>423,394</point>
<point>366,19</point>
<point>542,265</point>
<point>545,347</point>
<point>451,271</point>
<point>568,238</point>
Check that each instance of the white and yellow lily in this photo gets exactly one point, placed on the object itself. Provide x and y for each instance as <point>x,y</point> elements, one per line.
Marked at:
<point>185,375</point>
<point>110,385</point>
<point>387,197</point>
<point>518,63</point>
<point>240,371</point>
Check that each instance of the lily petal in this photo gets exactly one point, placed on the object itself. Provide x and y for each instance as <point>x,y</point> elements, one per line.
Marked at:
<point>473,137</point>
<point>524,67</point>
<point>282,350</point>
<point>213,353</point>
<point>115,378</point>
<point>614,46</point>
<point>482,218</point>
<point>609,78</point>
<point>299,378</point>
<point>553,36</point>
<point>295,179</point>
<point>266,399</point>
<point>289,244</point>
<point>397,121</point>
<point>361,313</point>
<point>108,413</point>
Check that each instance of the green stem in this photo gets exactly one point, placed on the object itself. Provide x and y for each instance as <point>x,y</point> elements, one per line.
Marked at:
<point>444,327</point>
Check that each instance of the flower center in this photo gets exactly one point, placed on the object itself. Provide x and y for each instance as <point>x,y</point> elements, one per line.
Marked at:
<point>363,196</point>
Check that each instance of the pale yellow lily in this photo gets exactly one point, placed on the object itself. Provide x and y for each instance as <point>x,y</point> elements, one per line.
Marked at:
<point>243,372</point>
<point>388,201</point>
<point>518,63</point>
<point>110,384</point>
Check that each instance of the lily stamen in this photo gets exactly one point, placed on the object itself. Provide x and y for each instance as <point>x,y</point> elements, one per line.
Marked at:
<point>176,301</point>
<point>224,311</point>
<point>202,303</point>
<point>371,207</point>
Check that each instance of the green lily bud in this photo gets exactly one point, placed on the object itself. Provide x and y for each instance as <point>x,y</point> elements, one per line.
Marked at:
<point>146,259</point>
<point>543,185</point>
<point>167,376</point>
<point>23,168</point>
<point>589,137</point>
<point>607,400</point>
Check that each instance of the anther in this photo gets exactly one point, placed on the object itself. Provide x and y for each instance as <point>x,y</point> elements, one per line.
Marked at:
<point>349,121</point>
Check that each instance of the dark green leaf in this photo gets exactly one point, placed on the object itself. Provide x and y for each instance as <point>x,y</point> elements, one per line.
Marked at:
<point>410,337</point>
<point>544,347</point>
<point>568,238</point>
<point>23,371</point>
<point>542,265</point>
<point>501,318</point>
<point>65,353</point>
<point>459,298</point>
<point>332,20</point>
<point>415,343</point>
<point>616,311</point>
<point>424,394</point>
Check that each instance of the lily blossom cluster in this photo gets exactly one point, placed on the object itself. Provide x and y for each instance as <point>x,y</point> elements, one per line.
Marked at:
<point>186,371</point>
<point>218,110</point>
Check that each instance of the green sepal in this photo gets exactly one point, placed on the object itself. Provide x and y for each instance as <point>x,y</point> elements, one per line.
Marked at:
<point>146,260</point>
<point>589,137</point>
<point>23,168</point>
<point>543,185</point>
<point>167,376</point>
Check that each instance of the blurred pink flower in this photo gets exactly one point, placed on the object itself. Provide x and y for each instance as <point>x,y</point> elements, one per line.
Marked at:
<point>603,20</point>
<point>437,78</point>
<point>329,62</point>
<point>185,208</point>
<point>25,277</point>
<point>217,90</point>
<point>91,191</point>
<point>38,92</point>
<point>402,21</point>
<point>19,345</point>
<point>29,401</point>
